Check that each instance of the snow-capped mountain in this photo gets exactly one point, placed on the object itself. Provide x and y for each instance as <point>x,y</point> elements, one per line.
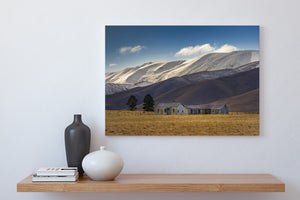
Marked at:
<point>154,72</point>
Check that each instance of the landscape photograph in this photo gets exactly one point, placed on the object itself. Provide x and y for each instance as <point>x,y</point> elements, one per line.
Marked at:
<point>181,80</point>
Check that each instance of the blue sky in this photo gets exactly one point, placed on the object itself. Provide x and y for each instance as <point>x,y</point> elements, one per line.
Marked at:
<point>129,46</point>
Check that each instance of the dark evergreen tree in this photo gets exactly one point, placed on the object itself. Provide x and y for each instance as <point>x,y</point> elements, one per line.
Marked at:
<point>148,103</point>
<point>132,102</point>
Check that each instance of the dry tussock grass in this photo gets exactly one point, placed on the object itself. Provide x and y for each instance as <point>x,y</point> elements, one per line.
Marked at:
<point>147,123</point>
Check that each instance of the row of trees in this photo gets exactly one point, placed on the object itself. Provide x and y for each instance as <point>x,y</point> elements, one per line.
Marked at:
<point>148,104</point>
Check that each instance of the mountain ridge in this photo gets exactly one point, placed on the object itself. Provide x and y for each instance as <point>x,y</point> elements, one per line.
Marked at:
<point>112,88</point>
<point>153,72</point>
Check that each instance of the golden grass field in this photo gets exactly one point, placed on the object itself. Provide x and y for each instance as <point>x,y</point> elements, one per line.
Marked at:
<point>148,123</point>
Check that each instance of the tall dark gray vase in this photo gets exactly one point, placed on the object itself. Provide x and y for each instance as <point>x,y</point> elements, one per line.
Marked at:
<point>77,142</point>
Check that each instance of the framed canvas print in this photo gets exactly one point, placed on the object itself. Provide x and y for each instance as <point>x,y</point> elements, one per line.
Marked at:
<point>182,80</point>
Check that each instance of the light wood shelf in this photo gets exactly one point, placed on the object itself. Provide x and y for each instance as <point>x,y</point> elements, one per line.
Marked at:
<point>162,183</point>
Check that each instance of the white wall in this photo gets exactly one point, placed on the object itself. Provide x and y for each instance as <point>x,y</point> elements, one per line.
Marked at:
<point>52,66</point>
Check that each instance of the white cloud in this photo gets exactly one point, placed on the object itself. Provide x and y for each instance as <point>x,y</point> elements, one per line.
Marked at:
<point>112,64</point>
<point>125,50</point>
<point>203,49</point>
<point>196,50</point>
<point>226,48</point>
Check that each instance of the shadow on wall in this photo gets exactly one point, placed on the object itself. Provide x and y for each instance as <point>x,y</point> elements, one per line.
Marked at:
<point>170,196</point>
<point>97,137</point>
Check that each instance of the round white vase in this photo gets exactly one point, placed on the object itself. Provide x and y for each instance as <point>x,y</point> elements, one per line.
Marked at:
<point>102,165</point>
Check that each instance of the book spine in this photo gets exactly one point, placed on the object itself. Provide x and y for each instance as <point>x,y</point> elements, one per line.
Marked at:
<point>36,178</point>
<point>70,171</point>
<point>56,173</point>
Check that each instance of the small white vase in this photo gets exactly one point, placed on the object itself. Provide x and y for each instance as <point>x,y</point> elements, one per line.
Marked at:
<point>102,165</point>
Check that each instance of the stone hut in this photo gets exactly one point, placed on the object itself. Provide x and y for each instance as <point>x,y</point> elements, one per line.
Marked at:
<point>170,109</point>
<point>207,109</point>
<point>180,109</point>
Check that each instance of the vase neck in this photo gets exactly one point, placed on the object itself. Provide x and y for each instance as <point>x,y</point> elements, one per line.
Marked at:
<point>77,119</point>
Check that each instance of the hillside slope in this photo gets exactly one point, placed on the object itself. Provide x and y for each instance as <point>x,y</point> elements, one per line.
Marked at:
<point>246,102</point>
<point>212,90</point>
<point>182,90</point>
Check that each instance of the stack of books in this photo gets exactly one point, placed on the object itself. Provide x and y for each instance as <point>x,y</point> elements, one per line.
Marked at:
<point>56,174</point>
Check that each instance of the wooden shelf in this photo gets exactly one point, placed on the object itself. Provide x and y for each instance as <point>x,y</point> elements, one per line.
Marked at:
<point>162,183</point>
